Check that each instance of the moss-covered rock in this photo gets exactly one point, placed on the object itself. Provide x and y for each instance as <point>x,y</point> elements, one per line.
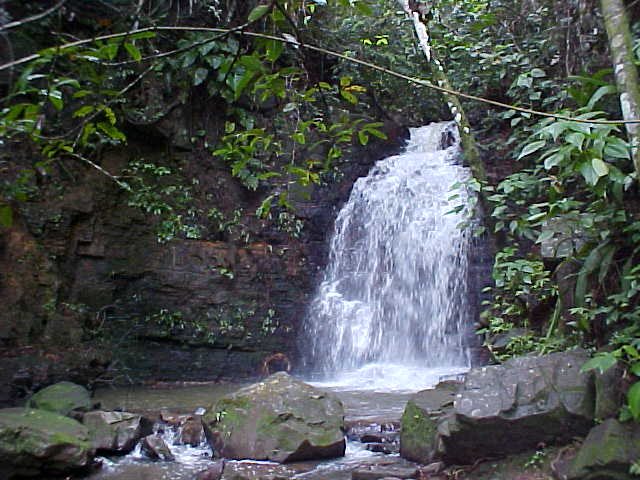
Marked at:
<point>607,452</point>
<point>280,419</point>
<point>33,442</point>
<point>420,422</point>
<point>62,398</point>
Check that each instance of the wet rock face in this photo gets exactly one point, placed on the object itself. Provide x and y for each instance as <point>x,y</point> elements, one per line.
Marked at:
<point>513,407</point>
<point>36,442</point>
<point>62,398</point>
<point>84,261</point>
<point>280,419</point>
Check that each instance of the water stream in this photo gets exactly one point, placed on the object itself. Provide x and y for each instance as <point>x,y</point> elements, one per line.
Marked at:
<point>392,309</point>
<point>389,317</point>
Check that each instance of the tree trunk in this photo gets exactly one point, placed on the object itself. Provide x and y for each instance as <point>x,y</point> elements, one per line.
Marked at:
<point>469,146</point>
<point>621,45</point>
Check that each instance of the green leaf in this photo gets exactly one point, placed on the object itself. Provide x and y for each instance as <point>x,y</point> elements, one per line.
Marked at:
<point>112,131</point>
<point>599,94</point>
<point>258,12</point>
<point>601,362</point>
<point>6,216</point>
<point>349,97</point>
<point>133,51</point>
<point>589,174</point>
<point>617,148</point>
<point>633,400</point>
<point>538,73</point>
<point>55,97</point>
<point>600,167</point>
<point>199,76</point>
<point>531,148</point>
<point>83,111</point>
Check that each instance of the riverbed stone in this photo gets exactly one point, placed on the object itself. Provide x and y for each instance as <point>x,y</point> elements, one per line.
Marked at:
<point>115,432</point>
<point>510,408</point>
<point>34,442</point>
<point>280,419</point>
<point>62,398</point>
<point>607,452</point>
<point>191,432</point>
<point>156,448</point>
<point>379,472</point>
<point>420,421</point>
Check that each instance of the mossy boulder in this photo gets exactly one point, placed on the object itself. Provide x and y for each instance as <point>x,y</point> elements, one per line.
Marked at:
<point>511,408</point>
<point>607,452</point>
<point>33,442</point>
<point>115,432</point>
<point>280,419</point>
<point>419,422</point>
<point>62,398</point>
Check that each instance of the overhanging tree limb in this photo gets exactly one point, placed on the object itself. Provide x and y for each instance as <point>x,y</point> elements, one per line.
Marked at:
<point>417,81</point>
<point>469,146</point>
<point>621,45</point>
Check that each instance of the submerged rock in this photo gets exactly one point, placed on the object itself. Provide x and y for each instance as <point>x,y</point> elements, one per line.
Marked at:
<point>155,448</point>
<point>280,419</point>
<point>115,432</point>
<point>607,452</point>
<point>62,398</point>
<point>33,442</point>
<point>513,407</point>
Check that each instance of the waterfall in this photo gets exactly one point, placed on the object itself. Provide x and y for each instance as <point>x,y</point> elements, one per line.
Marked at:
<point>393,303</point>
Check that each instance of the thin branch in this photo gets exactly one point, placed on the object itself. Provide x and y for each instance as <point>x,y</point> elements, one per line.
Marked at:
<point>120,183</point>
<point>415,80</point>
<point>24,21</point>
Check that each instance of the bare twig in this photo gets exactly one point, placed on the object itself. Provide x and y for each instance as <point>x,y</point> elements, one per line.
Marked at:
<point>33,18</point>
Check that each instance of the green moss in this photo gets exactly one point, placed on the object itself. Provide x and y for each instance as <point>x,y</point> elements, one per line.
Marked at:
<point>417,434</point>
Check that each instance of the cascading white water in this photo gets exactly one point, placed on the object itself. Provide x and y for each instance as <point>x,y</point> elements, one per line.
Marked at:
<point>392,308</point>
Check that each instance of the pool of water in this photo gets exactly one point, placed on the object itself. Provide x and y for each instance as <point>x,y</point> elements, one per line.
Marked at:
<point>361,405</point>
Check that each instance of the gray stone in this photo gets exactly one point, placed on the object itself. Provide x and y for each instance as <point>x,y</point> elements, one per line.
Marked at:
<point>115,432</point>
<point>155,448</point>
<point>514,407</point>
<point>420,421</point>
<point>214,472</point>
<point>609,395</point>
<point>607,452</point>
<point>33,442</point>
<point>280,419</point>
<point>377,472</point>
<point>62,398</point>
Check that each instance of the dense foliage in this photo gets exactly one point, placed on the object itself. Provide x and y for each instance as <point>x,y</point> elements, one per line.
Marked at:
<point>564,206</point>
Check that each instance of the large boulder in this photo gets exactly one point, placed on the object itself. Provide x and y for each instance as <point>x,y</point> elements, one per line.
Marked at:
<point>516,406</point>
<point>420,421</point>
<point>608,452</point>
<point>33,442</point>
<point>115,432</point>
<point>62,398</point>
<point>280,419</point>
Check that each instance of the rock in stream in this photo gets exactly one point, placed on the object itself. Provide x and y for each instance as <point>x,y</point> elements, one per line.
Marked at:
<point>280,419</point>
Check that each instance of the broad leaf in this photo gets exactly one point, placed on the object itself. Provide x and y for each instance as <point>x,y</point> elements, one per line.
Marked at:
<point>531,148</point>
